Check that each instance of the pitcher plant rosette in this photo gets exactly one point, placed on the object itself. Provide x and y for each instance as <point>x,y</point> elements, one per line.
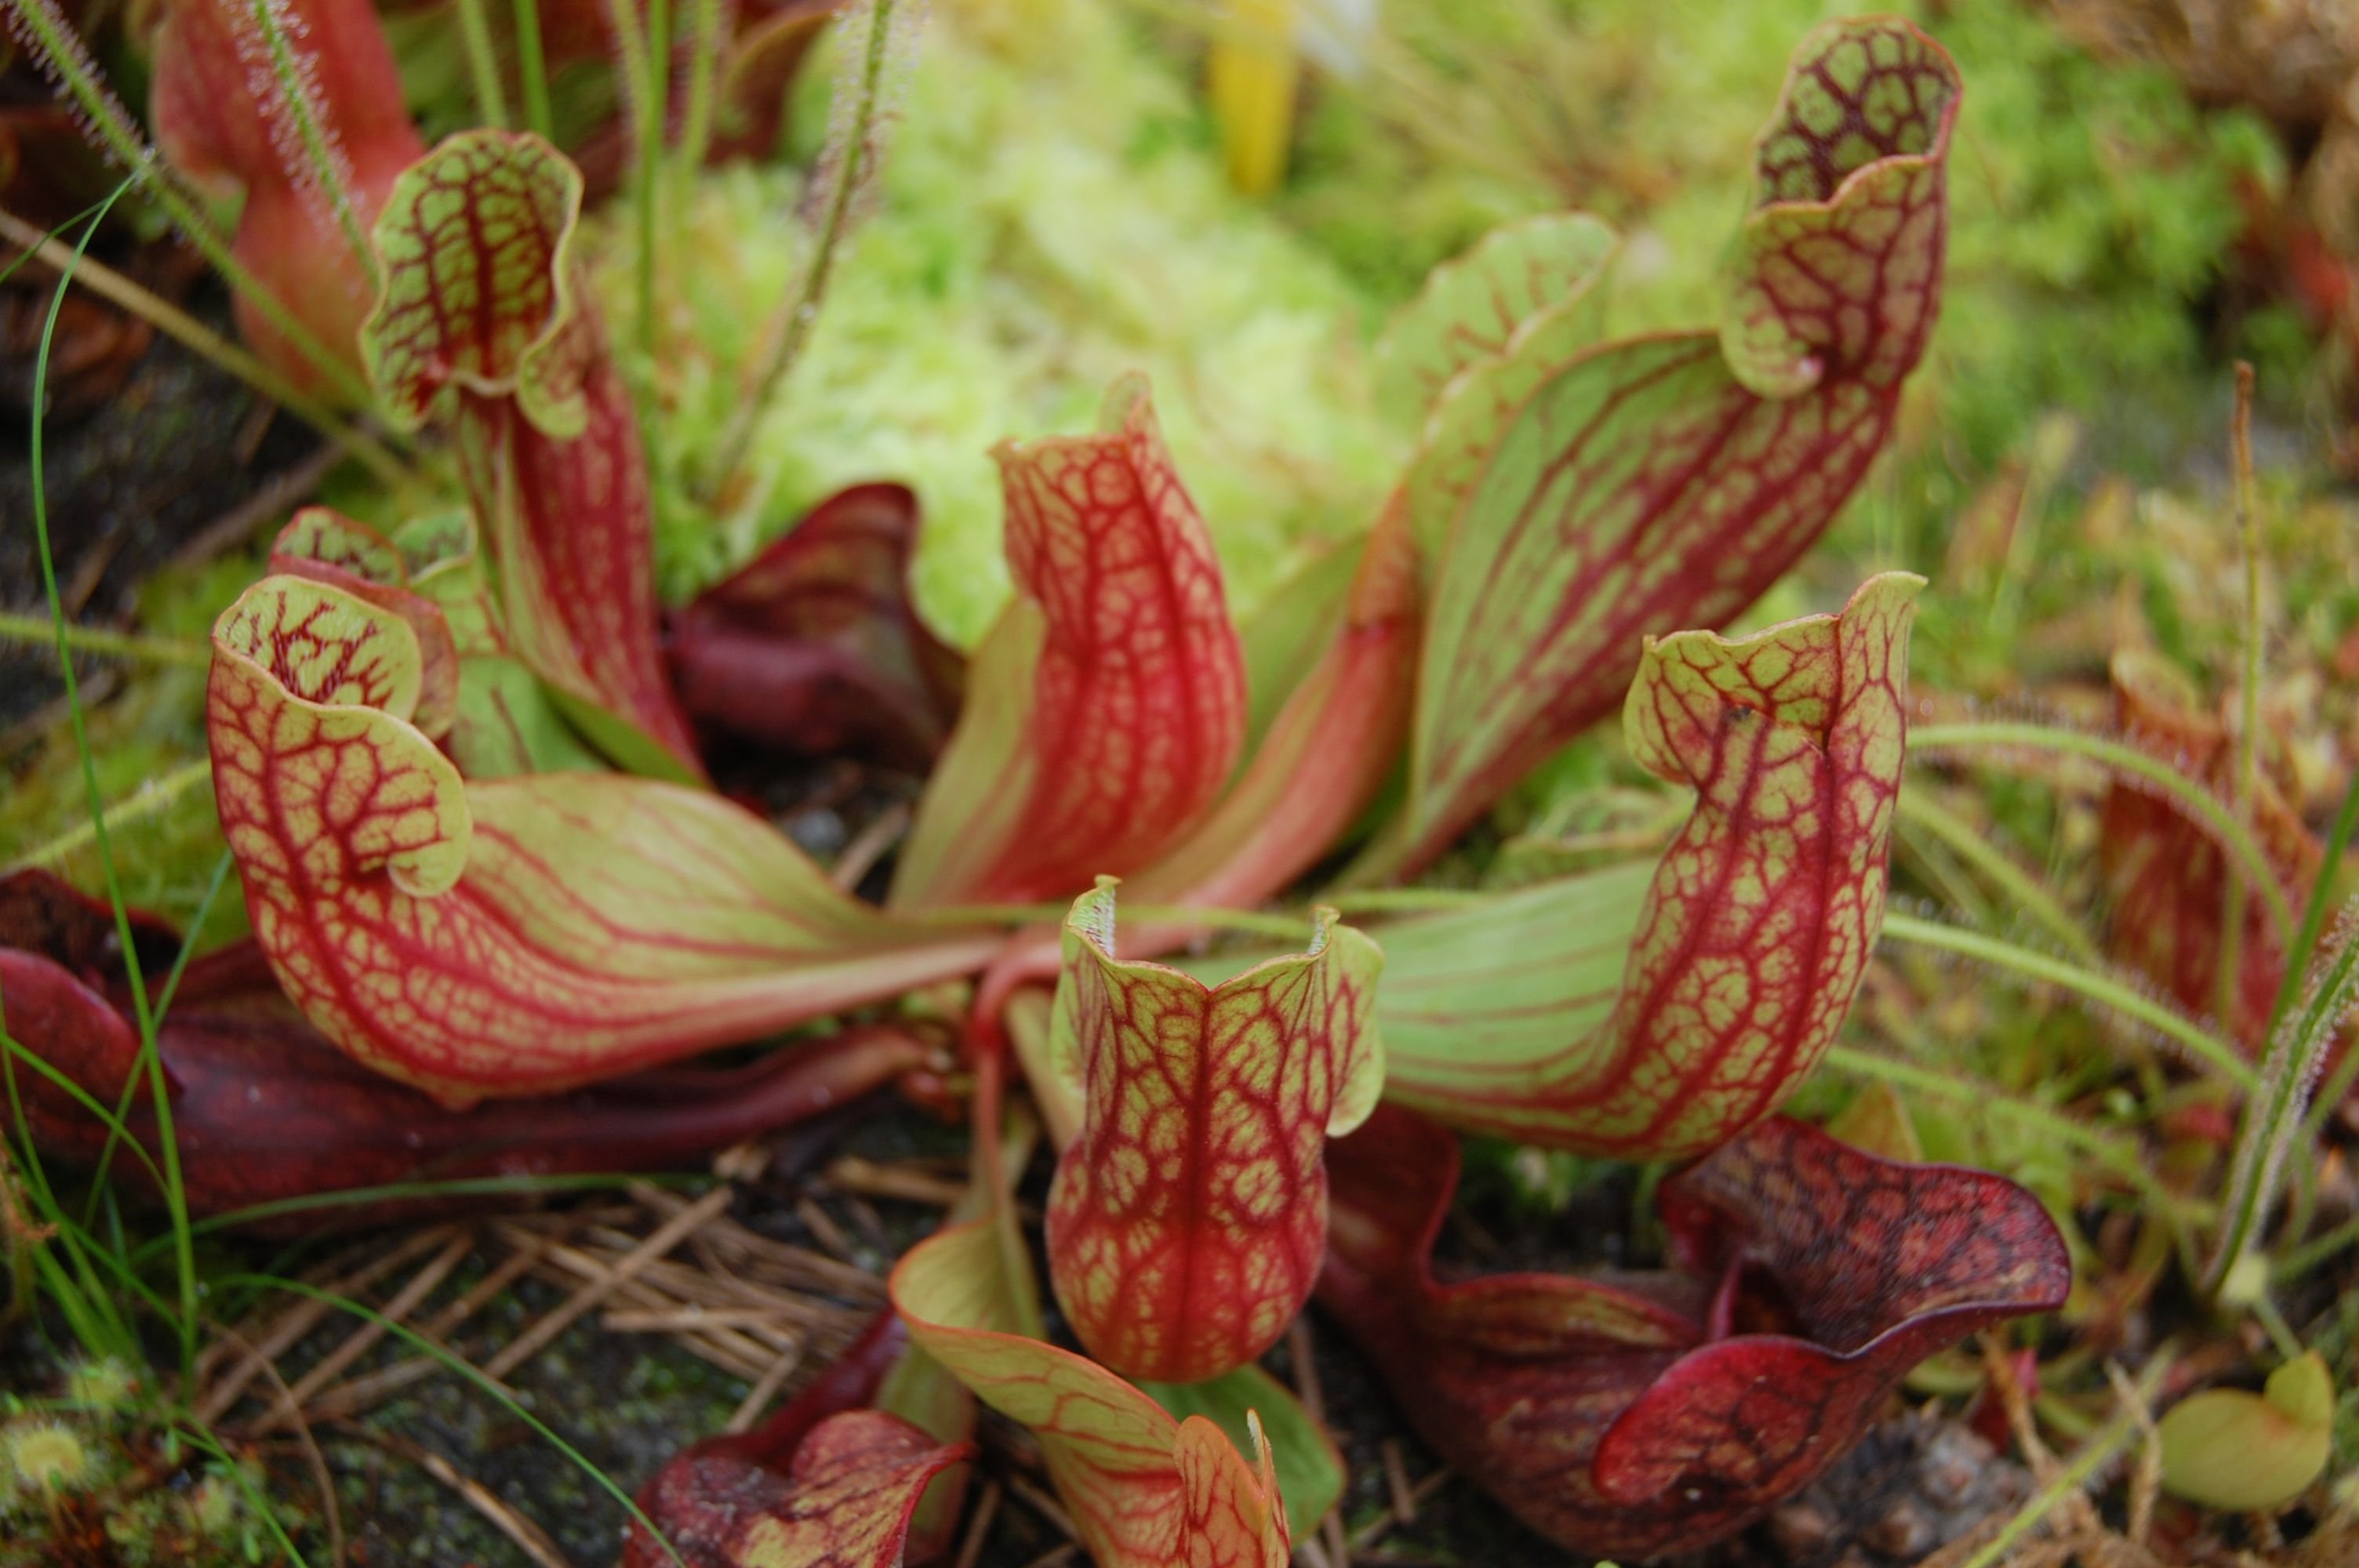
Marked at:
<point>462,766</point>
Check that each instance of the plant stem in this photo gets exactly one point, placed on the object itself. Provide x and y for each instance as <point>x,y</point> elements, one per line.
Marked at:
<point>2273,1118</point>
<point>301,104</point>
<point>634,35</point>
<point>97,639</point>
<point>213,348</point>
<point>1407,901</point>
<point>1919,808</point>
<point>152,797</point>
<point>2312,1253</point>
<point>61,51</point>
<point>2088,981</point>
<point>791,329</point>
<point>2322,898</point>
<point>2244,783</point>
<point>131,1082</point>
<point>532,72</point>
<point>704,77</point>
<point>2199,803</point>
<point>483,64</point>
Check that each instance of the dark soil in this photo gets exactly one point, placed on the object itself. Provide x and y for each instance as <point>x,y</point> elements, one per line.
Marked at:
<point>176,458</point>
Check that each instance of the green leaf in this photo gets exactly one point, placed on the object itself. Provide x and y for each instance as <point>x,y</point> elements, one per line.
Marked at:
<point>2226,1448</point>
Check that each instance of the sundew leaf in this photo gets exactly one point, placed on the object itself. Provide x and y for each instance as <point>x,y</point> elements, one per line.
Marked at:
<point>265,1111</point>
<point>1310,1469</point>
<point>1188,1215</point>
<point>1144,1489</point>
<point>1575,497</point>
<point>1639,1415</point>
<point>1107,707</point>
<point>513,936</point>
<point>1472,307</point>
<point>485,323</point>
<point>1666,1026</point>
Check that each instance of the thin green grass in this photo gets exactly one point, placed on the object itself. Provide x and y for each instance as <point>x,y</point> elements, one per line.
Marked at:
<point>86,1279</point>
<point>2093,984</point>
<point>2199,803</point>
<point>163,1008</point>
<point>482,65</point>
<point>175,1191</point>
<point>532,74</point>
<point>468,1372</point>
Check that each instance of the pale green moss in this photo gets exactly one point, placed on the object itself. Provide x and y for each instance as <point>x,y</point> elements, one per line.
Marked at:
<point>1046,222</point>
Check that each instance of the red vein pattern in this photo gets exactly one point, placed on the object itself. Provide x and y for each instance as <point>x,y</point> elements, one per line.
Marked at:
<point>1646,1414</point>
<point>484,321</point>
<point>1327,752</point>
<point>515,936</point>
<point>1110,703</point>
<point>1666,481</point>
<point>1761,915</point>
<point>815,646</point>
<point>1187,1218</point>
<point>215,127</point>
<point>1471,307</point>
<point>265,1109</point>
<point>1144,1490</point>
<point>325,546</point>
<point>844,1501</point>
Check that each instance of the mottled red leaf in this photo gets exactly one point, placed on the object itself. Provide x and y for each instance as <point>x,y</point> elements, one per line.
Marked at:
<point>221,120</point>
<point>1642,1414</point>
<point>815,646</point>
<point>1187,1217</point>
<point>266,1108</point>
<point>511,935</point>
<point>1741,958</point>
<point>844,1501</point>
<point>485,321</point>
<point>1106,708</point>
<point>1579,496</point>
<point>787,1493</point>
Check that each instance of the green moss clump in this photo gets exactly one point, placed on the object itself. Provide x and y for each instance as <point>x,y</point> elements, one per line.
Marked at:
<point>1052,215</point>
